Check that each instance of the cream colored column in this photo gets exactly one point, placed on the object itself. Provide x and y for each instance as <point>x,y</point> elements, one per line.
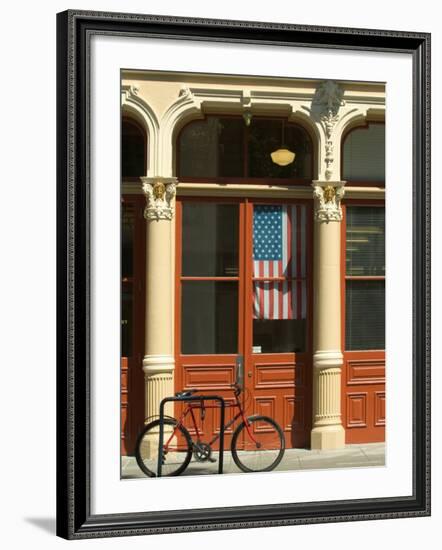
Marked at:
<point>327,432</point>
<point>158,362</point>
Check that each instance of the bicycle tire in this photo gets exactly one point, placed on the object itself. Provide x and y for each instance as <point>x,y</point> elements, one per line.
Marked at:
<point>146,450</point>
<point>251,458</point>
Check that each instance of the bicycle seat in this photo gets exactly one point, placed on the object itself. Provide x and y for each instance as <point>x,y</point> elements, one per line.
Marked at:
<point>185,393</point>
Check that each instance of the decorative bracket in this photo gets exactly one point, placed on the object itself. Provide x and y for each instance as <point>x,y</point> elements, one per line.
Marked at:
<point>160,193</point>
<point>327,101</point>
<point>328,196</point>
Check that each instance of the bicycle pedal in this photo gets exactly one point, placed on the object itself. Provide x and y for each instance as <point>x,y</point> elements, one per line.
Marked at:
<point>212,459</point>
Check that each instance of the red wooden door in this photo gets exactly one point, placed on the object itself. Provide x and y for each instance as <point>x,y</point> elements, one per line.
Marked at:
<point>217,318</point>
<point>132,320</point>
<point>278,307</point>
<point>209,293</point>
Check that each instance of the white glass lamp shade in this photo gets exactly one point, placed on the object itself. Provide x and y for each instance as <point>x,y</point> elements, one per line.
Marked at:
<point>282,157</point>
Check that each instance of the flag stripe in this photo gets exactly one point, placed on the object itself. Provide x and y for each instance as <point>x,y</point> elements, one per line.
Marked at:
<point>279,250</point>
<point>293,247</point>
<point>303,247</point>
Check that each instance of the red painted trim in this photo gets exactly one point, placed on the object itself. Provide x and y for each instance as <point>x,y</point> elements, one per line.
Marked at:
<point>365,277</point>
<point>186,278</point>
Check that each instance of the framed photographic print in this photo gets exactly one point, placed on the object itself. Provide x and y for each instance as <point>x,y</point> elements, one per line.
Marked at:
<point>243,274</point>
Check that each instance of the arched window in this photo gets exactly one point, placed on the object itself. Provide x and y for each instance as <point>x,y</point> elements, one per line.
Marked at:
<point>224,149</point>
<point>133,149</point>
<point>363,152</point>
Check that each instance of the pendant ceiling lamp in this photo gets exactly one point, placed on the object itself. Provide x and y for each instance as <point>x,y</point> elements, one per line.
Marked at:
<point>283,156</point>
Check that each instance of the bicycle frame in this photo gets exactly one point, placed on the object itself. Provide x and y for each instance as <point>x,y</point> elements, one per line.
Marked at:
<point>192,406</point>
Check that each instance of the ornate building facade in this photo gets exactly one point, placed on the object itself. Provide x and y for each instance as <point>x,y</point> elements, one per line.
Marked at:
<point>253,234</point>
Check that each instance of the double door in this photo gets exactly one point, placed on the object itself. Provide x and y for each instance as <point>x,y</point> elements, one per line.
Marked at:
<point>243,298</point>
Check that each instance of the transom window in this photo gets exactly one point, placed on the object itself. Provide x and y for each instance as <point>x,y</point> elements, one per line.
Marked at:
<point>133,149</point>
<point>223,148</point>
<point>363,152</point>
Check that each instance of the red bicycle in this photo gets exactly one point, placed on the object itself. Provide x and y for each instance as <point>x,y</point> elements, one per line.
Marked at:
<point>257,445</point>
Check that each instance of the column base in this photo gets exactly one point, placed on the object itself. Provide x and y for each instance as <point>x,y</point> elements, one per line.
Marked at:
<point>327,437</point>
<point>159,383</point>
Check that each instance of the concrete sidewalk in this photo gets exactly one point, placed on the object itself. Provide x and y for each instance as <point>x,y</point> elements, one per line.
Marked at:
<point>351,456</point>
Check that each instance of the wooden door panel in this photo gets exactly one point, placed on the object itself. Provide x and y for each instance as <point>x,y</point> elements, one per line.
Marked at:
<point>299,422</point>
<point>363,396</point>
<point>379,408</point>
<point>208,376</point>
<point>211,375</point>
<point>124,420</point>
<point>274,375</point>
<point>365,372</point>
<point>281,389</point>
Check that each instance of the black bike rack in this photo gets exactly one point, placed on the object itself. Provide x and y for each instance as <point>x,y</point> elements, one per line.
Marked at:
<point>195,398</point>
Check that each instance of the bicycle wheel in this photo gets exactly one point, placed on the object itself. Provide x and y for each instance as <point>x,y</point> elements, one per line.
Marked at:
<point>258,447</point>
<point>177,448</point>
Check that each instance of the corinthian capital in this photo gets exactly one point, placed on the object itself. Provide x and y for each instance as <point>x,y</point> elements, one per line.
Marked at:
<point>328,196</point>
<point>160,193</point>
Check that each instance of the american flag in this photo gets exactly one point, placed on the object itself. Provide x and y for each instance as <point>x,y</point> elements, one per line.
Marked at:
<point>279,251</point>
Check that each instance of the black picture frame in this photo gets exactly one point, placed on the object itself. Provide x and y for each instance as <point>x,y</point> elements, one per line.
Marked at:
<point>74,518</point>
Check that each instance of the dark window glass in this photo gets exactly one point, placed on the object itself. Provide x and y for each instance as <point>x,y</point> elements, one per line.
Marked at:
<point>209,322</point>
<point>133,150</point>
<point>212,148</point>
<point>278,336</point>
<point>268,135</point>
<point>126,320</point>
<point>198,148</point>
<point>230,147</point>
<point>215,148</point>
<point>365,243</point>
<point>364,154</point>
<point>210,239</point>
<point>127,240</point>
<point>365,315</point>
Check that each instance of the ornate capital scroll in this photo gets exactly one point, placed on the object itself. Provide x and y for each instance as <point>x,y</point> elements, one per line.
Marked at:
<point>160,193</point>
<point>328,196</point>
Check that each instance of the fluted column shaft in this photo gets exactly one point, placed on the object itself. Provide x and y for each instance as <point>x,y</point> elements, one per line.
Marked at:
<point>327,432</point>
<point>158,362</point>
